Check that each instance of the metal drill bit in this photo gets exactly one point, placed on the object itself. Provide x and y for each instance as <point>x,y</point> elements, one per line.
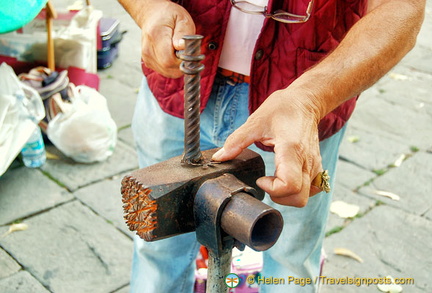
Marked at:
<point>192,67</point>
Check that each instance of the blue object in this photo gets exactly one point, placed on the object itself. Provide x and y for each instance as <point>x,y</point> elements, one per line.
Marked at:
<point>159,136</point>
<point>33,153</point>
<point>110,37</point>
<point>14,14</point>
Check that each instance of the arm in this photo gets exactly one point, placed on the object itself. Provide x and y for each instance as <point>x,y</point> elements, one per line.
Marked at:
<point>371,48</point>
<point>288,119</point>
<point>163,24</point>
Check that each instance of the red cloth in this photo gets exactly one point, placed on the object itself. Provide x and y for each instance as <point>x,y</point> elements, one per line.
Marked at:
<point>282,53</point>
<point>77,76</point>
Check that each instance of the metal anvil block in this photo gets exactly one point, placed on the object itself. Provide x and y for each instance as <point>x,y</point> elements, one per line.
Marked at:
<point>159,200</point>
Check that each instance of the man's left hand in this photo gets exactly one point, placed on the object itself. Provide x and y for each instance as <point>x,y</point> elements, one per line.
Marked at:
<point>287,121</point>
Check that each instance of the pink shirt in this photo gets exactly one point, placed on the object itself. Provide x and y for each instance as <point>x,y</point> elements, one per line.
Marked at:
<point>241,35</point>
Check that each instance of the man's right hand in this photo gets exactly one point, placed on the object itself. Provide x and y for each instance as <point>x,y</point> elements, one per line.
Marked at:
<point>163,25</point>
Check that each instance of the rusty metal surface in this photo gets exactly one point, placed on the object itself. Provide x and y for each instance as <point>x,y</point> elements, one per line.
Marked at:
<point>181,195</point>
<point>192,67</point>
<point>171,186</point>
<point>225,206</point>
<point>251,222</point>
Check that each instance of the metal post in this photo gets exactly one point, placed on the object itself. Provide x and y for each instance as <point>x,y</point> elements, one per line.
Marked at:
<point>218,268</point>
<point>192,67</point>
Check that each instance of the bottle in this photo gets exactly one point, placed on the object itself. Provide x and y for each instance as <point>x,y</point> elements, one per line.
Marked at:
<point>33,153</point>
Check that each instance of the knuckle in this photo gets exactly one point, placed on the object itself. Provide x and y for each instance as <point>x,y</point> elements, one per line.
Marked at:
<point>254,122</point>
<point>144,53</point>
<point>239,139</point>
<point>294,201</point>
<point>287,187</point>
<point>147,63</point>
<point>166,61</point>
<point>294,187</point>
<point>230,141</point>
<point>301,203</point>
<point>146,57</point>
<point>298,147</point>
<point>298,151</point>
<point>317,159</point>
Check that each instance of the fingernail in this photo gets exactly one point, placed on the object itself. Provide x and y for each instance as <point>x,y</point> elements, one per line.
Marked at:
<point>179,44</point>
<point>218,155</point>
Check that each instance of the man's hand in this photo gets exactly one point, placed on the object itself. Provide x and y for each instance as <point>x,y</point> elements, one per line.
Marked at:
<point>288,119</point>
<point>291,127</point>
<point>163,25</point>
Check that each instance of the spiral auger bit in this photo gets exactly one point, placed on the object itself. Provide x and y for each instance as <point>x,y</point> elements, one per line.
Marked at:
<point>221,202</point>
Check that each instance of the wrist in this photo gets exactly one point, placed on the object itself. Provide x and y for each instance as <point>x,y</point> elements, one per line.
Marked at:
<point>306,100</point>
<point>141,9</point>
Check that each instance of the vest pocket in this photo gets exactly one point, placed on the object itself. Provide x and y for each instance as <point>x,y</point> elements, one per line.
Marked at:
<point>306,59</point>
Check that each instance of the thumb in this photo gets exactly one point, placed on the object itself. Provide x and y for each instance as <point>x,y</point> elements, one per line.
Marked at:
<point>235,144</point>
<point>183,27</point>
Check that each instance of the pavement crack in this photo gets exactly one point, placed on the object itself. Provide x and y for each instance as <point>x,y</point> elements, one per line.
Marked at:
<point>98,256</point>
<point>72,228</point>
<point>381,258</point>
<point>55,180</point>
<point>388,264</point>
<point>120,288</point>
<point>345,159</point>
<point>92,249</point>
<point>19,220</point>
<point>425,212</point>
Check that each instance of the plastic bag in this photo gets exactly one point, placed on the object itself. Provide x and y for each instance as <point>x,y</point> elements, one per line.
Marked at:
<point>84,129</point>
<point>21,108</point>
<point>48,83</point>
<point>75,42</point>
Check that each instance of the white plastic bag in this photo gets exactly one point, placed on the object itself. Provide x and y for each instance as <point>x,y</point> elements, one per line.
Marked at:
<point>84,130</point>
<point>75,40</point>
<point>76,44</point>
<point>21,108</point>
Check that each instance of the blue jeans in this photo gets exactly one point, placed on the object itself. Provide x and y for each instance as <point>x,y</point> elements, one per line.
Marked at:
<point>168,265</point>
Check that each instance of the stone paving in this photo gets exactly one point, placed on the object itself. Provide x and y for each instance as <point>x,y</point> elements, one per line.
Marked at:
<point>76,239</point>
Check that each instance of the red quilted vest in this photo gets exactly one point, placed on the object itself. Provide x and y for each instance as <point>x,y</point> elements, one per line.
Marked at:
<point>282,53</point>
